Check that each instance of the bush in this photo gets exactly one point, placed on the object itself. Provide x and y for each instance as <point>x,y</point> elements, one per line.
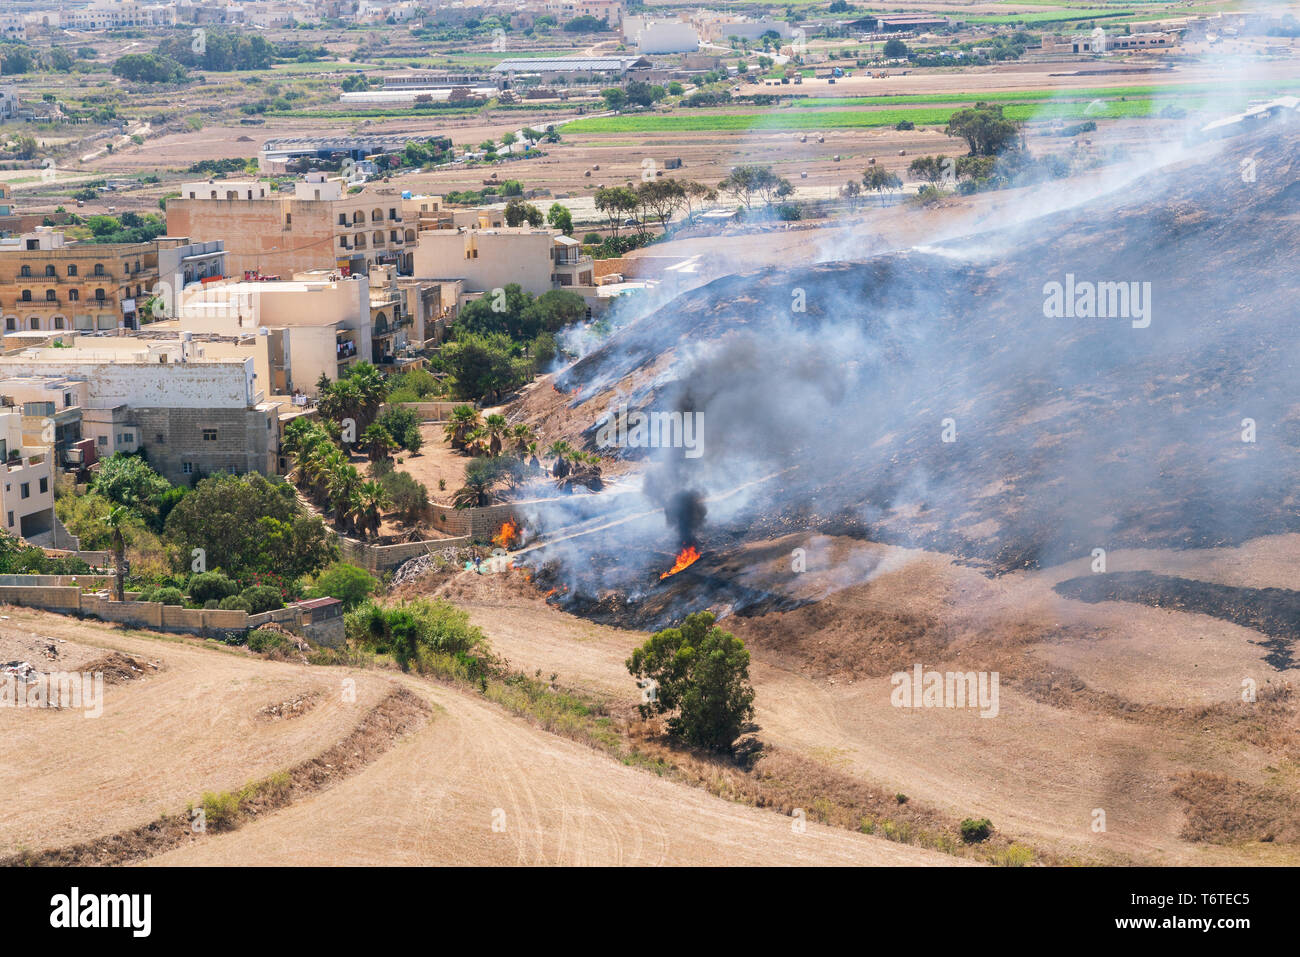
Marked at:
<point>348,583</point>
<point>208,586</point>
<point>220,810</point>
<point>265,641</point>
<point>413,628</point>
<point>973,831</point>
<point>235,603</point>
<point>262,598</point>
<point>166,596</point>
<point>701,675</point>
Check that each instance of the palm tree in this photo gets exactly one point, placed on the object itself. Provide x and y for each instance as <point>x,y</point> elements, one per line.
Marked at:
<point>562,452</point>
<point>497,429</point>
<point>116,520</point>
<point>475,493</point>
<point>476,441</point>
<point>523,437</point>
<point>379,444</point>
<point>374,499</point>
<point>464,419</point>
<point>342,484</point>
<point>371,388</point>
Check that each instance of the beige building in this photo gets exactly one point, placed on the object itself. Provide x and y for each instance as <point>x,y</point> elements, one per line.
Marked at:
<point>296,330</point>
<point>321,226</point>
<point>486,259</point>
<point>26,482</point>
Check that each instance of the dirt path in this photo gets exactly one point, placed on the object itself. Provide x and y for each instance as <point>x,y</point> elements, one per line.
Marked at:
<point>433,800</point>
<point>196,725</point>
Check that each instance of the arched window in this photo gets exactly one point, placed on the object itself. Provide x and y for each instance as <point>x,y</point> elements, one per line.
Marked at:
<point>73,295</point>
<point>49,271</point>
<point>27,295</point>
<point>25,272</point>
<point>50,296</point>
<point>99,269</point>
<point>72,269</point>
<point>99,295</point>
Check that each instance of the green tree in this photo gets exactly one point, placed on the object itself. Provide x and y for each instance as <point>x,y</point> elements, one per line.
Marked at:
<point>149,68</point>
<point>248,524</point>
<point>701,676</point>
<point>880,180</point>
<point>519,212</point>
<point>484,364</point>
<point>986,131</point>
<point>895,49</point>
<point>128,480</point>
<point>348,583</point>
<point>614,97</point>
<point>559,217</point>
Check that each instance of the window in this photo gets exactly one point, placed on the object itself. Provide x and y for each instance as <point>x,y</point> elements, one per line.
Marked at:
<point>34,323</point>
<point>99,295</point>
<point>209,435</point>
<point>50,296</point>
<point>49,271</point>
<point>25,490</point>
<point>27,295</point>
<point>45,485</point>
<point>11,324</point>
<point>11,519</point>
<point>74,295</point>
<point>99,269</point>
<point>67,400</point>
<point>58,322</point>
<point>103,440</point>
<point>72,269</point>
<point>160,438</point>
<point>25,272</point>
<point>187,468</point>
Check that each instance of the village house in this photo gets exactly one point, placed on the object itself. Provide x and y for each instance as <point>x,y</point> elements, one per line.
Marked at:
<point>321,226</point>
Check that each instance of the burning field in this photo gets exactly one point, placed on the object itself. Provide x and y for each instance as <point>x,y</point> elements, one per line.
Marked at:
<point>933,399</point>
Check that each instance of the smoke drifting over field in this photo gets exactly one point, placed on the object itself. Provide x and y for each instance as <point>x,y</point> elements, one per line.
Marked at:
<point>929,398</point>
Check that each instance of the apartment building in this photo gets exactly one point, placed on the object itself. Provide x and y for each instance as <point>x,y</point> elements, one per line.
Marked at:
<point>50,283</point>
<point>117,15</point>
<point>51,409</point>
<point>317,323</point>
<point>322,226</point>
<point>26,483</point>
<point>484,259</point>
<point>191,413</point>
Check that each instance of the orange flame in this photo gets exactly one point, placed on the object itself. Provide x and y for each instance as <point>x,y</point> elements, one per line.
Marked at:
<point>685,558</point>
<point>509,532</point>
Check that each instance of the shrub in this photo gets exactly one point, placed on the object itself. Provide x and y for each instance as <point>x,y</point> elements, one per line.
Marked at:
<point>413,628</point>
<point>235,603</point>
<point>973,831</point>
<point>262,598</point>
<point>265,641</point>
<point>211,585</point>
<point>167,596</point>
<point>212,603</point>
<point>220,810</point>
<point>348,583</point>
